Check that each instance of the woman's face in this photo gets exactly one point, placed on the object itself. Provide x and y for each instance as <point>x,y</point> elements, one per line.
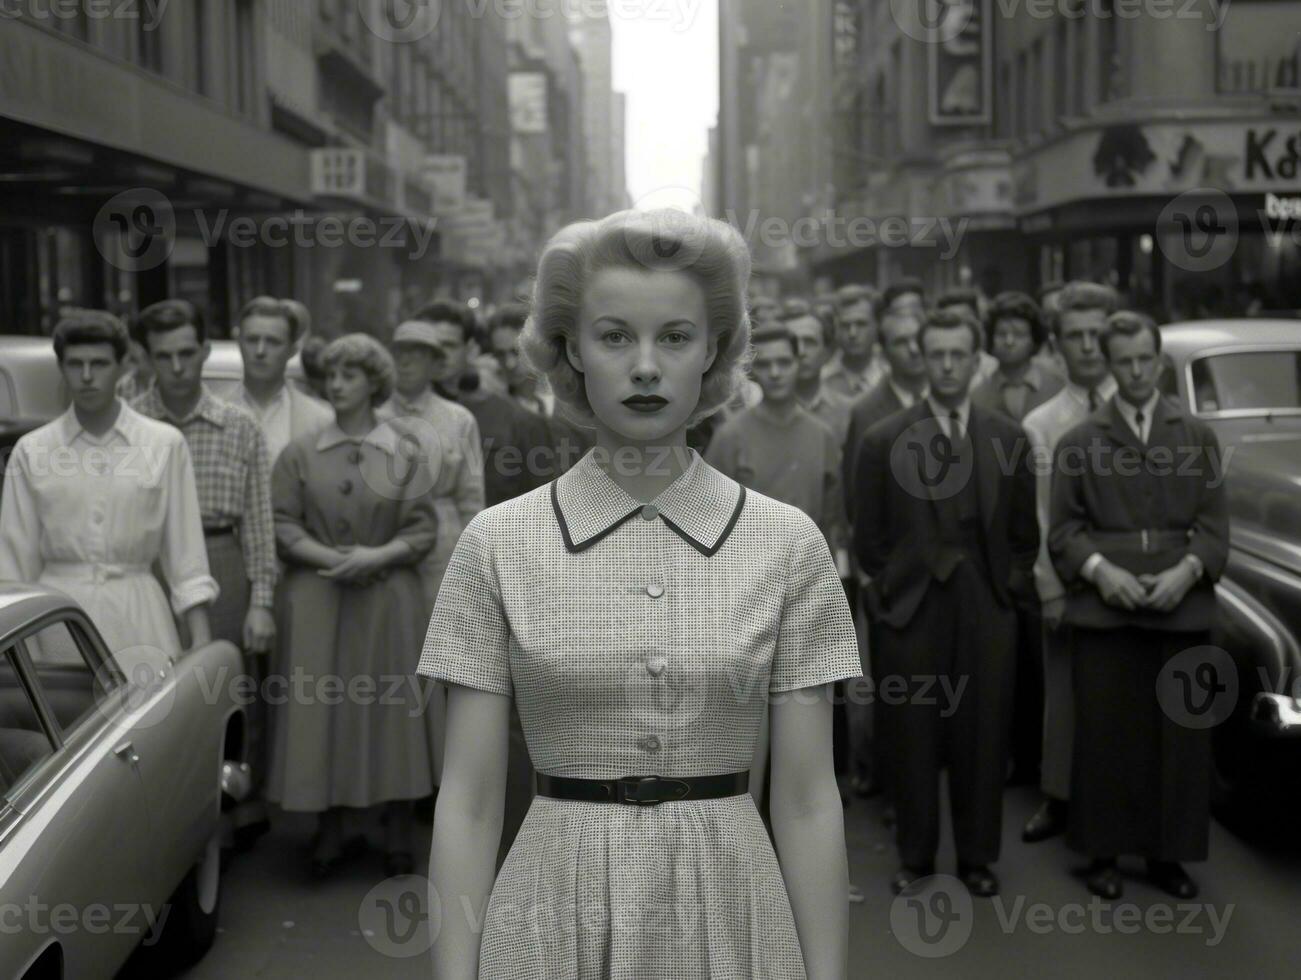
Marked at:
<point>348,387</point>
<point>643,347</point>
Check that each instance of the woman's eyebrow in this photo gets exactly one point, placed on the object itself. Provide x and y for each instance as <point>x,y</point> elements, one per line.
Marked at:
<point>667,323</point>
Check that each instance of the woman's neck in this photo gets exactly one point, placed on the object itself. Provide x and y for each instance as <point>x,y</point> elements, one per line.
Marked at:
<point>643,470</point>
<point>358,421</point>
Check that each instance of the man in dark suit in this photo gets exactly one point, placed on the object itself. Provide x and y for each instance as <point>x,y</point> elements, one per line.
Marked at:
<point>945,526</point>
<point>902,387</point>
<point>1139,535</point>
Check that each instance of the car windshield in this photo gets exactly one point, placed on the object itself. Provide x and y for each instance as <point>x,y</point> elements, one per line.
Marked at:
<point>1261,381</point>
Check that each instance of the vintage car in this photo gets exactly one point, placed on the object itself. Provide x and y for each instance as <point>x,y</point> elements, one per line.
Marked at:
<point>114,771</point>
<point>1243,378</point>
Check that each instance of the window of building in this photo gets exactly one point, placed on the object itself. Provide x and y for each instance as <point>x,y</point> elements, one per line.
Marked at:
<point>200,47</point>
<point>149,44</point>
<point>1079,39</point>
<point>1110,70</point>
<point>1024,83</point>
<point>1038,79</point>
<point>1062,73</point>
<point>1006,122</point>
<point>245,63</point>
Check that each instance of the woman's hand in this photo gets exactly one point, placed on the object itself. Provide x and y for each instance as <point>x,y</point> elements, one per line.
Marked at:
<point>357,563</point>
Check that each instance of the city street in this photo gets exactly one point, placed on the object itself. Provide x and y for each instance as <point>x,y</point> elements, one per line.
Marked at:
<point>277,925</point>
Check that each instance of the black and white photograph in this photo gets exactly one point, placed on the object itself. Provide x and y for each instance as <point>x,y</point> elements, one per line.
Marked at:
<point>650,489</point>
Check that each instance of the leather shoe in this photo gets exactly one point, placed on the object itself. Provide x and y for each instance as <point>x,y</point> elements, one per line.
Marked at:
<point>979,880</point>
<point>1171,879</point>
<point>906,876</point>
<point>1048,821</point>
<point>1104,881</point>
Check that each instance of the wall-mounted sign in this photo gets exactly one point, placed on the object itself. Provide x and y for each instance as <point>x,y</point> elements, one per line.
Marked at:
<point>447,174</point>
<point>339,172</point>
<point>960,61</point>
<point>528,102</point>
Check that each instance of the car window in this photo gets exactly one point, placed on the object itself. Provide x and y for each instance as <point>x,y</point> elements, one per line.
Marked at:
<point>1248,380</point>
<point>24,743</point>
<point>8,400</point>
<point>71,677</point>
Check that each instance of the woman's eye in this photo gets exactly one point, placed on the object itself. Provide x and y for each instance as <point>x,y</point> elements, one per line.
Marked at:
<point>614,337</point>
<point>676,337</point>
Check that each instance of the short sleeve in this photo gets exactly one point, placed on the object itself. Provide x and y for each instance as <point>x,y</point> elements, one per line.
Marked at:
<point>816,642</point>
<point>468,638</point>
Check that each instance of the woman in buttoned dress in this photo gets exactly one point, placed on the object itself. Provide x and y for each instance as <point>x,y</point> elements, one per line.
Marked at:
<point>647,615</point>
<point>353,518</point>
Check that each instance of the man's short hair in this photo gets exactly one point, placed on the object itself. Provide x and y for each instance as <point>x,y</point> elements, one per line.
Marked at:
<point>1049,287</point>
<point>968,298</point>
<point>949,320</point>
<point>1129,323</point>
<point>83,326</point>
<point>166,316</point>
<point>1080,295</point>
<point>847,296</point>
<point>1015,305</point>
<point>768,335</point>
<point>828,327</point>
<point>511,316</point>
<point>449,311</point>
<point>269,306</point>
<point>908,284</point>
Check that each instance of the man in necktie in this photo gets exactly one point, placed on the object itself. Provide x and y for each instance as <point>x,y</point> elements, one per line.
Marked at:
<point>1078,331</point>
<point>945,528</point>
<point>1139,534</point>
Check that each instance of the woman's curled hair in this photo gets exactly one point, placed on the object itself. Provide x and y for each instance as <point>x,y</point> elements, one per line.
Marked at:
<point>710,252</point>
<point>363,351</point>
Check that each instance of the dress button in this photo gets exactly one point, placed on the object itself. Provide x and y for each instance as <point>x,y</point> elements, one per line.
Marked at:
<point>654,590</point>
<point>650,512</point>
<point>354,457</point>
<point>655,666</point>
<point>345,487</point>
<point>650,743</point>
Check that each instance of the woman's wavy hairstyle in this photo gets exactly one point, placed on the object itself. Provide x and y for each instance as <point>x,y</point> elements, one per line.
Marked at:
<point>363,351</point>
<point>710,252</point>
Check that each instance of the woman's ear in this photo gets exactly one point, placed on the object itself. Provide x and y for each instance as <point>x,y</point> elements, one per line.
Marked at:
<point>574,357</point>
<point>713,352</point>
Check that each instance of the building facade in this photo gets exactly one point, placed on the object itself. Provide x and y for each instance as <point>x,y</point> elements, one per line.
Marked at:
<point>1005,145</point>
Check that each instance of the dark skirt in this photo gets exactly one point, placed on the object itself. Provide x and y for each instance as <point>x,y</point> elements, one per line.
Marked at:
<point>1141,778</point>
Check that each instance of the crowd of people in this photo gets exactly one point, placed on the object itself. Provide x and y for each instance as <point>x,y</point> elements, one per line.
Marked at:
<point>311,522</point>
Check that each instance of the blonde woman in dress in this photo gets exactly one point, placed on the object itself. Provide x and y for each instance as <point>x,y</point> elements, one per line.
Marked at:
<point>651,619</point>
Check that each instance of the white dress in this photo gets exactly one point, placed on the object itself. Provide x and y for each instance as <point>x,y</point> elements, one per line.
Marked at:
<point>90,515</point>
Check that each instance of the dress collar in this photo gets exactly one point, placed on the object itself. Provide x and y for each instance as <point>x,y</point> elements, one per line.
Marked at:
<point>384,436</point>
<point>701,506</point>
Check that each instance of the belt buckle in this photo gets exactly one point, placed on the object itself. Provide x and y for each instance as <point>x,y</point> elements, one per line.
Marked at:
<point>643,790</point>
<point>1146,549</point>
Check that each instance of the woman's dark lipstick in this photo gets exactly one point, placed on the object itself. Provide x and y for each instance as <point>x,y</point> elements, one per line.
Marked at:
<point>645,403</point>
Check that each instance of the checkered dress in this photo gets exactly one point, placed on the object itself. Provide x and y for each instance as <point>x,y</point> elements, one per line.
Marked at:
<point>641,640</point>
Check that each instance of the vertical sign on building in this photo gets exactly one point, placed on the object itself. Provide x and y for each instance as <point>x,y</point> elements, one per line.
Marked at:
<point>960,60</point>
<point>528,102</point>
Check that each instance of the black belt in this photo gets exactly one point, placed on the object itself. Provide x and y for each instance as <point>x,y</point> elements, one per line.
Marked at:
<point>644,790</point>
<point>216,532</point>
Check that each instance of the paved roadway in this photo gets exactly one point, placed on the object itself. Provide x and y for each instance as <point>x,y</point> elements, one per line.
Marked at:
<point>278,925</point>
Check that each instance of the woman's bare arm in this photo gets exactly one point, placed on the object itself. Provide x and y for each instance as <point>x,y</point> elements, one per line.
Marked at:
<point>467,825</point>
<point>808,825</point>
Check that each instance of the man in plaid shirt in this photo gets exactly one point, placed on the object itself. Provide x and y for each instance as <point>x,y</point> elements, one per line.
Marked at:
<point>233,472</point>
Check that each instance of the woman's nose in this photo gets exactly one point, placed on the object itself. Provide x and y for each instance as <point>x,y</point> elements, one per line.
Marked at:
<point>647,368</point>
